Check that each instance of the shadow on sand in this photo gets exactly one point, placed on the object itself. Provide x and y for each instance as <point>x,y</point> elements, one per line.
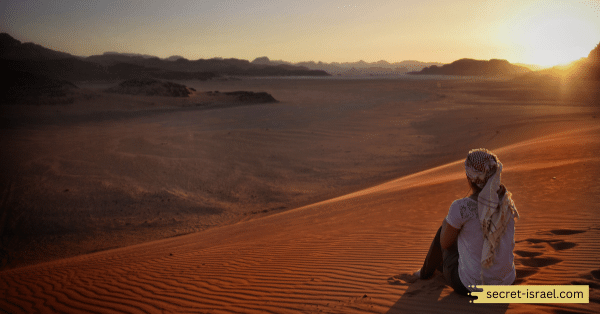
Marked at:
<point>426,296</point>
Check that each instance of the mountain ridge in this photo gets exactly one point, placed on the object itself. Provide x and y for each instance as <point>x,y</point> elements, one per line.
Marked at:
<point>472,67</point>
<point>361,67</point>
<point>38,60</point>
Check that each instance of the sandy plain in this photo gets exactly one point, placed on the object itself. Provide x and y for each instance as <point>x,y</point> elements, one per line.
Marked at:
<point>318,203</point>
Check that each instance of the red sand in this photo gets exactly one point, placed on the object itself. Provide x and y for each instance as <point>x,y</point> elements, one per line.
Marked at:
<point>340,255</point>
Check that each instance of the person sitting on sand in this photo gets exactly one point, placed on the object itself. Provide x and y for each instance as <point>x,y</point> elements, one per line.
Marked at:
<point>474,245</point>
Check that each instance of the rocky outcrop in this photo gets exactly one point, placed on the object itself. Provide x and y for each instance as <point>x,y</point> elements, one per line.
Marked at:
<point>252,97</point>
<point>470,67</point>
<point>150,87</point>
<point>243,96</point>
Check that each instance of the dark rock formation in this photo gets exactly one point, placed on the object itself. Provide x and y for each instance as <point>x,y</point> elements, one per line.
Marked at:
<point>243,96</point>
<point>150,87</point>
<point>252,97</point>
<point>470,67</point>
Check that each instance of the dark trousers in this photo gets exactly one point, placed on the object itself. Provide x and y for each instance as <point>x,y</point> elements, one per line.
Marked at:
<point>445,261</point>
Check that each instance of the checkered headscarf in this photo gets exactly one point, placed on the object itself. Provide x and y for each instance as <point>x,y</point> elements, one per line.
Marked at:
<point>481,165</point>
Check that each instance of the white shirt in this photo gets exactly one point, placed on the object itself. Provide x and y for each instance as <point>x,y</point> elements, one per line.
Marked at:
<point>463,215</point>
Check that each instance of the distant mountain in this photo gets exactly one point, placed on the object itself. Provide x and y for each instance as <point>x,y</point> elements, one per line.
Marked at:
<point>175,58</point>
<point>217,66</point>
<point>532,67</point>
<point>13,49</point>
<point>32,60</point>
<point>354,68</point>
<point>129,54</point>
<point>471,67</point>
<point>40,61</point>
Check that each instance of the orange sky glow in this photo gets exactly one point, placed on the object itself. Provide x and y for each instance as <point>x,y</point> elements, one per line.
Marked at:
<point>526,31</point>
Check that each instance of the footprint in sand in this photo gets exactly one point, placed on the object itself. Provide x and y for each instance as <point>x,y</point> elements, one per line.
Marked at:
<point>591,279</point>
<point>538,262</point>
<point>595,274</point>
<point>531,259</point>
<point>523,273</point>
<point>430,286</point>
<point>557,245</point>
<point>528,253</point>
<point>402,279</point>
<point>566,231</point>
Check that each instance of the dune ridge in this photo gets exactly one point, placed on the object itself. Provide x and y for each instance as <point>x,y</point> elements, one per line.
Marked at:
<point>344,255</point>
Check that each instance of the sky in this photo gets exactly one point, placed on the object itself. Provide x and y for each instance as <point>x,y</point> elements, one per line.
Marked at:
<point>543,32</point>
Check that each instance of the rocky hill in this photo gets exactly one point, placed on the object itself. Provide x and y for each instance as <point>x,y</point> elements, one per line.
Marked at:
<point>150,87</point>
<point>471,67</point>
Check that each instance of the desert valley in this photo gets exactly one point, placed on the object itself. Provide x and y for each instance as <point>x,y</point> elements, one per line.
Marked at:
<point>281,188</point>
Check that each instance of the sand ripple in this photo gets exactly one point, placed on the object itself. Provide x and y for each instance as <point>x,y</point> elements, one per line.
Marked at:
<point>338,256</point>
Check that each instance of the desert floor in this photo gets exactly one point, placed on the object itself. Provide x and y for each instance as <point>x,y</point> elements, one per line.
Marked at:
<point>321,202</point>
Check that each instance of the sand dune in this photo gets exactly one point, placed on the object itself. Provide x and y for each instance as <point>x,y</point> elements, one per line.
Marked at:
<point>347,254</point>
<point>370,168</point>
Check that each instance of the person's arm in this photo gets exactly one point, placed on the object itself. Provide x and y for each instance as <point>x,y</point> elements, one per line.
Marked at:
<point>448,235</point>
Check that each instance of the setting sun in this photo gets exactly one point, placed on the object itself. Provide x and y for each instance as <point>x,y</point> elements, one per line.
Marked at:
<point>554,34</point>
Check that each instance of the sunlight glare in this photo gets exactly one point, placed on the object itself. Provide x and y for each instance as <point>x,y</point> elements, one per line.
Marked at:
<point>554,37</point>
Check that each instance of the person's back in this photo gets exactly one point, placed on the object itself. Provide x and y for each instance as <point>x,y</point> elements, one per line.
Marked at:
<point>463,215</point>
